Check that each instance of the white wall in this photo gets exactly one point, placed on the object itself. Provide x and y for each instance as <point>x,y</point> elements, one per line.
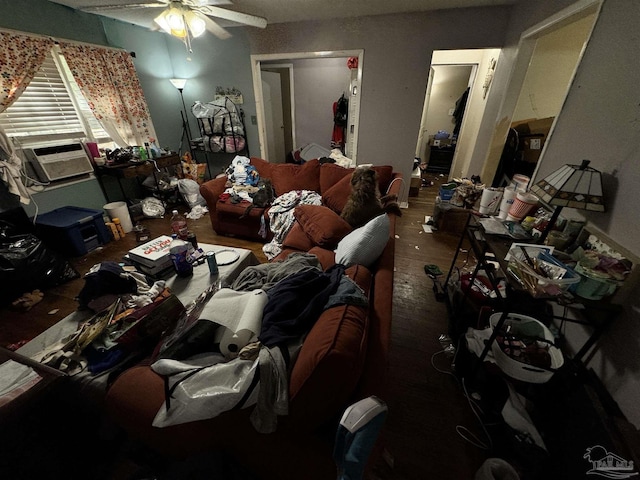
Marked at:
<point>318,82</point>
<point>550,71</point>
<point>397,56</point>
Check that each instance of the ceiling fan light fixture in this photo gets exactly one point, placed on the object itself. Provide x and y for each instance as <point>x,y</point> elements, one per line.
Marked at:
<point>175,18</point>
<point>195,23</point>
<point>161,21</point>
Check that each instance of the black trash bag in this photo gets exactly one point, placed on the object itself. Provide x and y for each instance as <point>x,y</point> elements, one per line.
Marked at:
<point>27,264</point>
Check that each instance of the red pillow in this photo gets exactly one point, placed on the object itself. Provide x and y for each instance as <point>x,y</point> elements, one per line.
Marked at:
<point>286,177</point>
<point>297,239</point>
<point>331,174</point>
<point>336,197</point>
<point>263,167</point>
<point>322,225</point>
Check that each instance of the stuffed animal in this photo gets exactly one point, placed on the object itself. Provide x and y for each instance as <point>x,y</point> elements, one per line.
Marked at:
<point>365,201</point>
<point>28,300</point>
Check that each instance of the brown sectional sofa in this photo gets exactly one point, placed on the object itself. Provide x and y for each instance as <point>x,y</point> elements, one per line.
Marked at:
<point>343,359</point>
<point>228,218</point>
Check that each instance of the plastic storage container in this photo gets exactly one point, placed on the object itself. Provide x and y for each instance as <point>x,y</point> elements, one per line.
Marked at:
<point>73,231</point>
<point>559,276</point>
<point>515,368</point>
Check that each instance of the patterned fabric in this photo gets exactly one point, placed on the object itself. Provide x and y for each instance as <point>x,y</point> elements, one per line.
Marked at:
<point>20,58</point>
<point>281,217</point>
<point>108,81</point>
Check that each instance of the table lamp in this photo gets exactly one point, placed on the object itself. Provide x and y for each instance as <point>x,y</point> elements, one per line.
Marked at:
<point>575,186</point>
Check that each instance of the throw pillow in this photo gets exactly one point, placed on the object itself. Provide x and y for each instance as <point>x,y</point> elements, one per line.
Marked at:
<point>322,225</point>
<point>286,177</point>
<point>297,239</point>
<point>364,245</point>
<point>336,197</point>
<point>330,174</point>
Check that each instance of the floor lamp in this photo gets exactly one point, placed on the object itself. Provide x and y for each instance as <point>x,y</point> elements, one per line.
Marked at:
<point>179,83</point>
<point>575,186</point>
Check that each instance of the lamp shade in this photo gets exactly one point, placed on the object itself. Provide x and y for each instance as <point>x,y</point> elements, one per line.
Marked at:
<point>574,186</point>
<point>179,83</point>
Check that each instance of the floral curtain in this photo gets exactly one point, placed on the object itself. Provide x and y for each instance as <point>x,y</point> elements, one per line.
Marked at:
<point>109,83</point>
<point>20,58</point>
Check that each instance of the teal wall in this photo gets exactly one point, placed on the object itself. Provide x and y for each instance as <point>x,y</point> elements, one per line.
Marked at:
<point>158,57</point>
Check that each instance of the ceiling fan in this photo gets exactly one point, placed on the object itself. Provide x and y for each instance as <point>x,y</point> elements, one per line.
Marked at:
<point>186,19</point>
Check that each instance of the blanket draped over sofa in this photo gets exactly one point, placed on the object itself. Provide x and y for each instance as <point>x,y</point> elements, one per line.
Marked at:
<point>342,319</point>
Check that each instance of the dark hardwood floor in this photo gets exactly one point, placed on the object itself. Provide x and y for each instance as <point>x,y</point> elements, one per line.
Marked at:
<point>425,405</point>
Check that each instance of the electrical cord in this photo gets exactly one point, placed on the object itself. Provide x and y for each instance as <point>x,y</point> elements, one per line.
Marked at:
<point>477,411</point>
<point>401,191</point>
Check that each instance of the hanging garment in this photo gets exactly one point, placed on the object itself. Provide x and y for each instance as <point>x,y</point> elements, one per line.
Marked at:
<point>340,117</point>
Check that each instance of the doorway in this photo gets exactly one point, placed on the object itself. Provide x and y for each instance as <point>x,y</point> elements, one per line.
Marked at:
<point>459,70</point>
<point>278,97</point>
<point>443,112</point>
<point>271,63</point>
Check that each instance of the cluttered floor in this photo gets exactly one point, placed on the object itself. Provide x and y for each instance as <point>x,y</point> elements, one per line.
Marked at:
<point>432,429</point>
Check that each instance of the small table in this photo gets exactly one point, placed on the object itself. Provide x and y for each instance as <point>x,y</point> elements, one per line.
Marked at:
<point>135,170</point>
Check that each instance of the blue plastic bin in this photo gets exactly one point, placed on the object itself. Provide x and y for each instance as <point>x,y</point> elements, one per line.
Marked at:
<point>73,231</point>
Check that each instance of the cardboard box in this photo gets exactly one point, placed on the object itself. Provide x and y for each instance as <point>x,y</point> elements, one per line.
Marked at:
<point>533,135</point>
<point>154,253</point>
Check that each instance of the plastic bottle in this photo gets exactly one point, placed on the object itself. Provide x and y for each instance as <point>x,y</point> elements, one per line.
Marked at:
<point>142,153</point>
<point>178,251</point>
<point>179,225</point>
<point>116,222</point>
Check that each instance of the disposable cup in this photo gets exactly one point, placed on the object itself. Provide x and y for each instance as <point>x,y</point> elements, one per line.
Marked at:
<point>119,210</point>
<point>490,201</point>
<point>508,196</point>
<point>522,205</point>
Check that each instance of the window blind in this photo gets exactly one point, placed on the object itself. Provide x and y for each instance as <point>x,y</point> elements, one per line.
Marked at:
<point>45,111</point>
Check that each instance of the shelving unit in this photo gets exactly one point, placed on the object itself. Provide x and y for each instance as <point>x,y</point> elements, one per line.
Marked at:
<point>222,128</point>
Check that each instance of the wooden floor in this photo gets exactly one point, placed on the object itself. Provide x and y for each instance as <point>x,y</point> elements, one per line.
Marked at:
<point>425,405</point>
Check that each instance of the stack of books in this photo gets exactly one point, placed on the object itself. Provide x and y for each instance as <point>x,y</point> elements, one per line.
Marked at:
<point>152,258</point>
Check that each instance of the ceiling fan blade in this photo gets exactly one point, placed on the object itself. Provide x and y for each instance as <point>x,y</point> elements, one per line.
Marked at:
<point>104,8</point>
<point>244,18</point>
<point>214,28</point>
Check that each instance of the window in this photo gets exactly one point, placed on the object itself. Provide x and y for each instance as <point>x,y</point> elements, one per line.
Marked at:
<point>52,108</point>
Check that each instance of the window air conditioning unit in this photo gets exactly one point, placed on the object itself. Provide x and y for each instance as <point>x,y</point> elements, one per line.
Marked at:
<point>59,162</point>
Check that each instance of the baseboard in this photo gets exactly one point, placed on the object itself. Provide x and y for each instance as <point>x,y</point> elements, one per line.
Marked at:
<point>404,204</point>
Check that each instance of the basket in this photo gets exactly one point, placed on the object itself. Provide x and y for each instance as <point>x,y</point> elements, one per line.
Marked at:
<point>515,368</point>
<point>558,279</point>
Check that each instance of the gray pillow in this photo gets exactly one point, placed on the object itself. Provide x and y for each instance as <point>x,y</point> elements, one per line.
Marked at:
<point>364,245</point>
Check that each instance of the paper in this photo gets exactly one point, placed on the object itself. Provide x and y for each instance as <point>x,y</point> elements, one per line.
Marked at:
<point>240,315</point>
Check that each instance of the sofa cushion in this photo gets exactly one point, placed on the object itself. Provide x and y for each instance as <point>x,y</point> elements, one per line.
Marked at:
<point>324,227</point>
<point>332,357</point>
<point>365,244</point>
<point>263,167</point>
<point>336,197</point>
<point>286,177</point>
<point>330,174</point>
<point>297,239</point>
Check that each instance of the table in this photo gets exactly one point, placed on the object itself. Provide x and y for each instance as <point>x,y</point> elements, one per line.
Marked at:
<point>135,170</point>
<point>185,288</point>
<point>598,315</point>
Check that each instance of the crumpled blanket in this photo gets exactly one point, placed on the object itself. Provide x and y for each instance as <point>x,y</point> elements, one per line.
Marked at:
<point>266,275</point>
<point>281,217</point>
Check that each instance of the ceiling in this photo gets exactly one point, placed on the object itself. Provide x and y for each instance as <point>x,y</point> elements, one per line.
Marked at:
<point>283,11</point>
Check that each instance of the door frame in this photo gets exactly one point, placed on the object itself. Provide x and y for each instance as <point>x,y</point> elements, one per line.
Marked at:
<point>525,50</point>
<point>256,61</point>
